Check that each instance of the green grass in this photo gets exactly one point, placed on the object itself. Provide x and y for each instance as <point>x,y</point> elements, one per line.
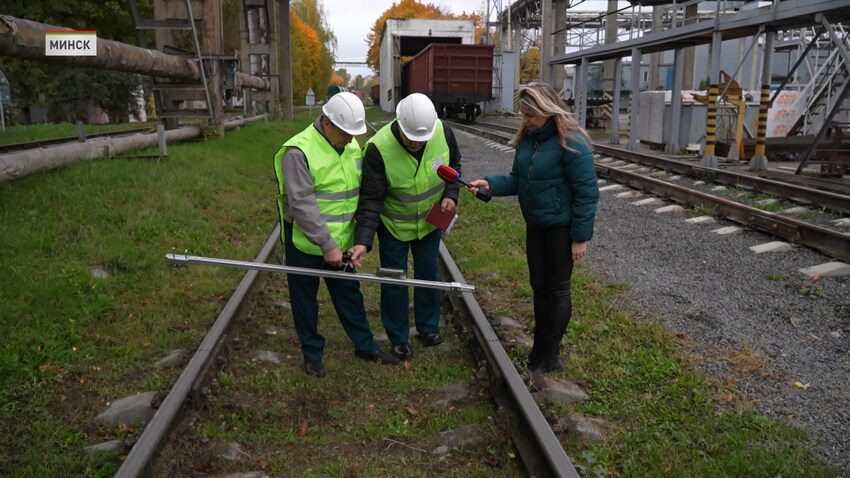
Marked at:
<point>774,277</point>
<point>667,420</point>
<point>61,326</point>
<point>71,343</point>
<point>703,210</point>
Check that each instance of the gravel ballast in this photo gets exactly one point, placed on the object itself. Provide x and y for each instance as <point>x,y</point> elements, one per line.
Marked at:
<point>728,303</point>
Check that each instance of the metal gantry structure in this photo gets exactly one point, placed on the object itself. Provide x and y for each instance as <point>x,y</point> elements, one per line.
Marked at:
<point>794,52</point>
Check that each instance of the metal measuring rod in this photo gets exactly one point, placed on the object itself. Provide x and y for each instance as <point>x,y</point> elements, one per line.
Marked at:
<point>384,276</point>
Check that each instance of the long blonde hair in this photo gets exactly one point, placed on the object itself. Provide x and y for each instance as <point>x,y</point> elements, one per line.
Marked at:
<point>542,99</point>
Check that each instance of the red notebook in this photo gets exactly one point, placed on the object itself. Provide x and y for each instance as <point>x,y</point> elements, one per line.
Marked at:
<point>443,220</point>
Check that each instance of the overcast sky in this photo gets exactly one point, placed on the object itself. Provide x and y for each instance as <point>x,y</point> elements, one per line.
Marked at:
<point>351,21</point>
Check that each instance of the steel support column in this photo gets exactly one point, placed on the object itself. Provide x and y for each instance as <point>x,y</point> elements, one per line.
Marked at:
<point>674,127</point>
<point>547,19</point>
<point>580,92</point>
<point>615,103</point>
<point>709,159</point>
<point>759,160</point>
<point>635,86</point>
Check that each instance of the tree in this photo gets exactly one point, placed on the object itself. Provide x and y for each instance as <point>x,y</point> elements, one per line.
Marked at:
<point>306,71</point>
<point>60,85</point>
<point>343,74</point>
<point>312,13</point>
<point>337,80</point>
<point>530,65</point>
<point>407,9</point>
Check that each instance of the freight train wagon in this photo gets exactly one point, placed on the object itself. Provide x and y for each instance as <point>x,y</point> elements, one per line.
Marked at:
<point>456,77</point>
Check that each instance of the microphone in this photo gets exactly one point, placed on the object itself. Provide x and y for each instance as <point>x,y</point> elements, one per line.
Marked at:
<point>451,176</point>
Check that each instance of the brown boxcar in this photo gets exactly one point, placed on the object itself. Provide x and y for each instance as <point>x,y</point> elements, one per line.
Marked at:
<point>456,77</point>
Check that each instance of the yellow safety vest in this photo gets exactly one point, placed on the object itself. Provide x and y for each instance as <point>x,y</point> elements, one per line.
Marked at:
<point>336,182</point>
<point>412,186</point>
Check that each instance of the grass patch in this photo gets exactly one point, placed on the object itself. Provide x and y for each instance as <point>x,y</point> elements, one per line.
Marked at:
<point>77,338</point>
<point>703,210</point>
<point>774,277</point>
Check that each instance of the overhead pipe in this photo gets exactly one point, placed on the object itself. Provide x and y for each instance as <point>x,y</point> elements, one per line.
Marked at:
<point>21,38</point>
<point>26,39</point>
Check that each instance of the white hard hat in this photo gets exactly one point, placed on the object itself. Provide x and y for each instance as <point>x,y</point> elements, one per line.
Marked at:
<point>416,117</point>
<point>346,111</point>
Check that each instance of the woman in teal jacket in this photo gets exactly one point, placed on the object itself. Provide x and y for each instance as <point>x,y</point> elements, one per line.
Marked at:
<point>555,181</point>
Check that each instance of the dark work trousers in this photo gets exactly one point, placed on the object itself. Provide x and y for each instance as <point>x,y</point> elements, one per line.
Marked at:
<point>395,301</point>
<point>550,266</point>
<point>346,297</point>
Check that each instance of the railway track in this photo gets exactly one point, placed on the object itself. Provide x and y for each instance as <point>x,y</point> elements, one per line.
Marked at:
<point>819,219</point>
<point>540,450</point>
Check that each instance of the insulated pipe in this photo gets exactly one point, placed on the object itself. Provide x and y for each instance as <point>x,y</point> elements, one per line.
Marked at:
<point>21,38</point>
<point>24,163</point>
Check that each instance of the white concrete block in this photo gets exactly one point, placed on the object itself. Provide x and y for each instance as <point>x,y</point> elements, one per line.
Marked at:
<point>702,220</point>
<point>629,194</point>
<point>612,187</point>
<point>775,246</point>
<point>644,202</point>
<point>827,269</point>
<point>672,209</point>
<point>725,231</point>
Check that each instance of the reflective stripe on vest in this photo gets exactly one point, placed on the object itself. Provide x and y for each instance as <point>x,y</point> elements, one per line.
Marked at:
<point>336,186</point>
<point>412,186</point>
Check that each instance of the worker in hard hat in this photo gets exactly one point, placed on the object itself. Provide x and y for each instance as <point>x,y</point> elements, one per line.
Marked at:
<point>399,187</point>
<point>318,176</point>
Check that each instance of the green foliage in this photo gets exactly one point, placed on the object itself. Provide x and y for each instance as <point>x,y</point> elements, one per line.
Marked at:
<point>812,292</point>
<point>703,210</point>
<point>63,86</point>
<point>774,277</point>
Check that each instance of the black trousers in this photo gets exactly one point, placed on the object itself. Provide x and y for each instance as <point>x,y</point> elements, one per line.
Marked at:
<point>550,267</point>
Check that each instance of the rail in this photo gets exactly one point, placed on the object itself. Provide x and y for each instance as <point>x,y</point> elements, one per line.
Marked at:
<point>541,452</point>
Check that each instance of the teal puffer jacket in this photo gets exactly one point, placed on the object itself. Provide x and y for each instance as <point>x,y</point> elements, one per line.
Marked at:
<point>555,186</point>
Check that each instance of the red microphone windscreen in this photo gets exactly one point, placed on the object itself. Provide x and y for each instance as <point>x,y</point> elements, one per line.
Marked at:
<point>447,173</point>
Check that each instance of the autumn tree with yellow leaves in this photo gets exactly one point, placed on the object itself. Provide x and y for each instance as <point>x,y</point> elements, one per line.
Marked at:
<point>409,9</point>
<point>306,70</point>
<point>312,13</point>
<point>530,65</point>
